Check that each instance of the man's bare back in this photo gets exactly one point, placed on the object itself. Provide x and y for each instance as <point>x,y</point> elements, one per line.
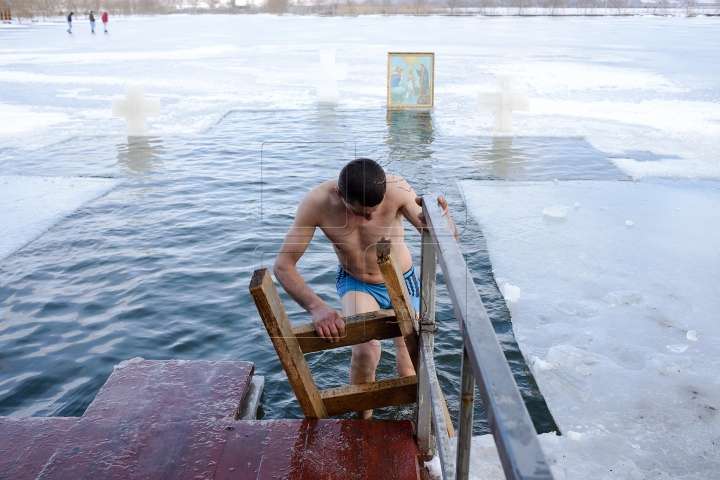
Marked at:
<point>353,230</point>
<point>354,236</point>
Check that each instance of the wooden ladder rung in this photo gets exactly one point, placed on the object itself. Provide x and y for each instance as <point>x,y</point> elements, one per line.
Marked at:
<point>366,396</point>
<point>358,329</point>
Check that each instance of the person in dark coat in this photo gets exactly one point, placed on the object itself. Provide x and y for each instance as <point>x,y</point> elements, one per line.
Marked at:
<point>92,21</point>
<point>69,18</point>
<point>105,20</point>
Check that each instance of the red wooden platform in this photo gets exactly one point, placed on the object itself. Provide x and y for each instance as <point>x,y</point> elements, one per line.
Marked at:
<point>175,419</point>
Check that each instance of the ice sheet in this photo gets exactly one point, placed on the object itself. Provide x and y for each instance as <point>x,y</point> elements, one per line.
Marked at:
<point>625,84</point>
<point>32,205</point>
<point>604,315</point>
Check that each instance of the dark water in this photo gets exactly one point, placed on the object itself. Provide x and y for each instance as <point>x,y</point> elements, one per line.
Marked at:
<point>159,267</point>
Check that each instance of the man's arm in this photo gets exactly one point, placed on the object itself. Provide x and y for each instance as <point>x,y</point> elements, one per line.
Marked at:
<point>328,321</point>
<point>446,211</point>
<point>411,208</point>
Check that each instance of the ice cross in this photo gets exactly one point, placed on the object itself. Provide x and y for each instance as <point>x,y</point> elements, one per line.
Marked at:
<point>135,108</point>
<point>328,75</point>
<point>503,102</point>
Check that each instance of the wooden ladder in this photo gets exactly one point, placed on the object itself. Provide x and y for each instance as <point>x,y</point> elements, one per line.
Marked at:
<point>291,343</point>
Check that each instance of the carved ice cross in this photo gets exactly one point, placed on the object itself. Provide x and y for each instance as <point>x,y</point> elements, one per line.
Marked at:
<point>328,74</point>
<point>135,108</point>
<point>503,102</point>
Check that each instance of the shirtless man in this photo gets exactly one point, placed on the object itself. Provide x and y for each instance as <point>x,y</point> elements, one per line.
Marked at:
<point>355,211</point>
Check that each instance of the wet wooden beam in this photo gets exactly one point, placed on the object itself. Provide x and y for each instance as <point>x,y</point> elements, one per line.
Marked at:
<point>399,297</point>
<point>277,323</point>
<point>358,329</point>
<point>366,396</point>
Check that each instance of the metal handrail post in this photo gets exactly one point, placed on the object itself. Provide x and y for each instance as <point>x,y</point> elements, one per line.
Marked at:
<point>438,414</point>
<point>512,428</point>
<point>465,420</point>
<point>428,268</point>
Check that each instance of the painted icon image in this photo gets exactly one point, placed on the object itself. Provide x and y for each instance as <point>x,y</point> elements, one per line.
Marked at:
<point>411,80</point>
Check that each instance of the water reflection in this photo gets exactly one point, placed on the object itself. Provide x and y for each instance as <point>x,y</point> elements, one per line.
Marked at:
<point>410,134</point>
<point>500,160</point>
<point>328,122</point>
<point>540,158</point>
<point>140,154</point>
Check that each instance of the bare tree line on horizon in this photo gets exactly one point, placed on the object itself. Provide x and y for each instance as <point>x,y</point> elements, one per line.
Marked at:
<point>51,9</point>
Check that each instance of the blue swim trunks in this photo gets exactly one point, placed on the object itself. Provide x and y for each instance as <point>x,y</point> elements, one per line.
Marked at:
<point>344,282</point>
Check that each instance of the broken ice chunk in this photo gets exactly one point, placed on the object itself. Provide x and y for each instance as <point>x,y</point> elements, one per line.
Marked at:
<point>576,436</point>
<point>692,335</point>
<point>583,370</point>
<point>570,356</point>
<point>555,211</point>
<point>577,308</point>
<point>577,205</point>
<point>614,299</point>
<point>670,365</point>
<point>541,365</point>
<point>511,293</point>
<point>677,348</point>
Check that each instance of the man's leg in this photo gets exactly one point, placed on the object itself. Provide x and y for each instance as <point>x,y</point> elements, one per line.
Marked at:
<point>366,356</point>
<point>402,358</point>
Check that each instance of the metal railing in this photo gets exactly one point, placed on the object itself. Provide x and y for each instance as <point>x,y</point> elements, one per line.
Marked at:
<point>483,363</point>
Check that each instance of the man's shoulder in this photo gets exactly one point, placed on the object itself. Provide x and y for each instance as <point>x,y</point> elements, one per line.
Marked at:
<point>396,185</point>
<point>315,202</point>
<point>320,193</point>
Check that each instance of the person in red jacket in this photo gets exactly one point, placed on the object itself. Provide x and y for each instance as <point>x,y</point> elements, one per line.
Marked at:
<point>105,20</point>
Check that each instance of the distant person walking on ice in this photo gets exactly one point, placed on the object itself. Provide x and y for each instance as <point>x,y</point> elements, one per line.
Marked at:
<point>69,17</point>
<point>92,21</point>
<point>104,20</point>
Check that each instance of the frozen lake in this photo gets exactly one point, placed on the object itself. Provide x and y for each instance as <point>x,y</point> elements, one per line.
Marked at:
<point>159,266</point>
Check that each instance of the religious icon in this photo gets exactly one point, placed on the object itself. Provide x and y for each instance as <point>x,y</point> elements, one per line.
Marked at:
<point>411,80</point>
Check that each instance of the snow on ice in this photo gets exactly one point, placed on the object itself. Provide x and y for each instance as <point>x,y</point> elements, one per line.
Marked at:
<point>619,327</point>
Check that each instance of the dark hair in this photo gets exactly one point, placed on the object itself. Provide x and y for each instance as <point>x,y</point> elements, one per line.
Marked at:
<point>362,181</point>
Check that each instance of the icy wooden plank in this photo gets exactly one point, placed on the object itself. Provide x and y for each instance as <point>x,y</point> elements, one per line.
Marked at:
<point>26,444</point>
<point>144,416</point>
<point>358,329</point>
<point>366,396</point>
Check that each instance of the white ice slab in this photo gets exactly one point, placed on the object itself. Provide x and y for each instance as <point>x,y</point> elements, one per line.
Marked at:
<point>29,206</point>
<point>603,313</point>
<point>640,84</point>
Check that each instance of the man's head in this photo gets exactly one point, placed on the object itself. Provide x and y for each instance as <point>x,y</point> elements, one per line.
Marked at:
<point>362,183</point>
